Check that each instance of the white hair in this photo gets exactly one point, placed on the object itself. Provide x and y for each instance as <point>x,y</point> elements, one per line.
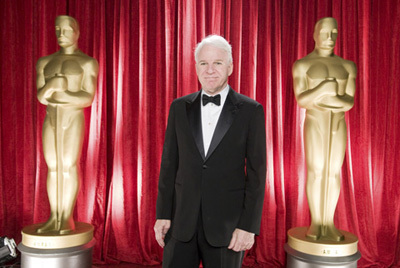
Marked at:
<point>215,41</point>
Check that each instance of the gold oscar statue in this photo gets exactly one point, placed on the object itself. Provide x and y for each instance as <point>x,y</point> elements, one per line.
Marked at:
<point>324,84</point>
<point>66,82</point>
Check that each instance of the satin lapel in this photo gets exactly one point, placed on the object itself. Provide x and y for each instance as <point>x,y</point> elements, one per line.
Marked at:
<point>224,122</point>
<point>193,111</point>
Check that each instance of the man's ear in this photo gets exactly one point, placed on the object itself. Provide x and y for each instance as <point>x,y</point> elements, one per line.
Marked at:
<point>231,69</point>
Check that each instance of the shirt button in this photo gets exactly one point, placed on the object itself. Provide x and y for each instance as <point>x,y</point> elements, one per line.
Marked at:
<point>204,166</point>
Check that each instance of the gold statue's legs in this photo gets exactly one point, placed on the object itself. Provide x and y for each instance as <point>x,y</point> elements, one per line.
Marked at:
<point>337,152</point>
<point>315,167</point>
<point>325,143</point>
<point>48,138</point>
<point>61,157</point>
<point>313,190</point>
<point>73,137</point>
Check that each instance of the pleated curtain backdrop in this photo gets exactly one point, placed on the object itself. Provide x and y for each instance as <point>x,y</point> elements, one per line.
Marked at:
<point>145,52</point>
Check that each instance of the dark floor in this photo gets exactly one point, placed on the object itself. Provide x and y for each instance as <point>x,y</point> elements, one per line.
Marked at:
<point>17,264</point>
<point>12,263</point>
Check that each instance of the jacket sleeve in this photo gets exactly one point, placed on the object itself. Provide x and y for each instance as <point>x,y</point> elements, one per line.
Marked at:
<point>169,166</point>
<point>250,219</point>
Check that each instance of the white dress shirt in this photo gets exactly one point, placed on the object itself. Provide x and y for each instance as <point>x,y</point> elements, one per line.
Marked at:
<point>209,117</point>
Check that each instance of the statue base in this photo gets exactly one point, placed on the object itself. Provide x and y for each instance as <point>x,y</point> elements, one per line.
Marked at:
<point>56,250</point>
<point>305,252</point>
<point>82,234</point>
<point>80,256</point>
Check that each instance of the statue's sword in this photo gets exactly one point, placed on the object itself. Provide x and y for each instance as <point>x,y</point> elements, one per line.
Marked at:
<point>59,155</point>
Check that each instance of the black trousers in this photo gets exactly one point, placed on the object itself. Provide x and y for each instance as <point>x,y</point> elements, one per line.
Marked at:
<point>179,254</point>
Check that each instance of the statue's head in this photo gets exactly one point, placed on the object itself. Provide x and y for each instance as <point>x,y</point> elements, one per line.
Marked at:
<point>67,31</point>
<point>325,33</point>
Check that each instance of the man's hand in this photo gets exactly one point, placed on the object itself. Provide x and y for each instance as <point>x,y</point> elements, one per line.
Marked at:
<point>241,240</point>
<point>161,227</point>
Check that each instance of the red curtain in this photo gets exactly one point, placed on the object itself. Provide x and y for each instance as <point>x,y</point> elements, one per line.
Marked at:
<point>145,52</point>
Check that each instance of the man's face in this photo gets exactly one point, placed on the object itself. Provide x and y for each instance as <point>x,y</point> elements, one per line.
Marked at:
<point>66,32</point>
<point>325,34</point>
<point>213,69</point>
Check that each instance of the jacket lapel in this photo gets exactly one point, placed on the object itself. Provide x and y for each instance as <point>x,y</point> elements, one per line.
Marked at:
<point>193,111</point>
<point>225,120</point>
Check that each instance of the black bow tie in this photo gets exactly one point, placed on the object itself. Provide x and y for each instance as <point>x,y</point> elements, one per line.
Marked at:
<point>216,99</point>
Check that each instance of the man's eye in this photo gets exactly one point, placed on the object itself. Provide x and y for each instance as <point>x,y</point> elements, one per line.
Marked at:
<point>202,63</point>
<point>218,63</point>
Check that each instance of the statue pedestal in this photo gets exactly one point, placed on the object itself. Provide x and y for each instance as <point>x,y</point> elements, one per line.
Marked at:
<point>55,250</point>
<point>304,252</point>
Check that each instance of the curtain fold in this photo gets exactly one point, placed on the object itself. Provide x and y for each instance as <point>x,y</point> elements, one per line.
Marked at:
<point>145,51</point>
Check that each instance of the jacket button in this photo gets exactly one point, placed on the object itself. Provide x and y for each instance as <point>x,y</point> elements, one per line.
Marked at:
<point>204,166</point>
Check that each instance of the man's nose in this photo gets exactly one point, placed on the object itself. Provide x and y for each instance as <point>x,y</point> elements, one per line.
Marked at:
<point>210,68</point>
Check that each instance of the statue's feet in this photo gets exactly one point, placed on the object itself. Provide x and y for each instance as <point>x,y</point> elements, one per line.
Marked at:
<point>49,226</point>
<point>334,234</point>
<point>314,231</point>
<point>67,226</point>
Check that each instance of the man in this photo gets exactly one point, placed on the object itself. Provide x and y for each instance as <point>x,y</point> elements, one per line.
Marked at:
<point>66,82</point>
<point>324,84</point>
<point>212,178</point>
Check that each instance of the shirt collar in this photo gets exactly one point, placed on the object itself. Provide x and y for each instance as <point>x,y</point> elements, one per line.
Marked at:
<point>223,93</point>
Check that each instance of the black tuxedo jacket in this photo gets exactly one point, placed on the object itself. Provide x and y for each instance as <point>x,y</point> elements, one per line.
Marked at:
<point>227,185</point>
